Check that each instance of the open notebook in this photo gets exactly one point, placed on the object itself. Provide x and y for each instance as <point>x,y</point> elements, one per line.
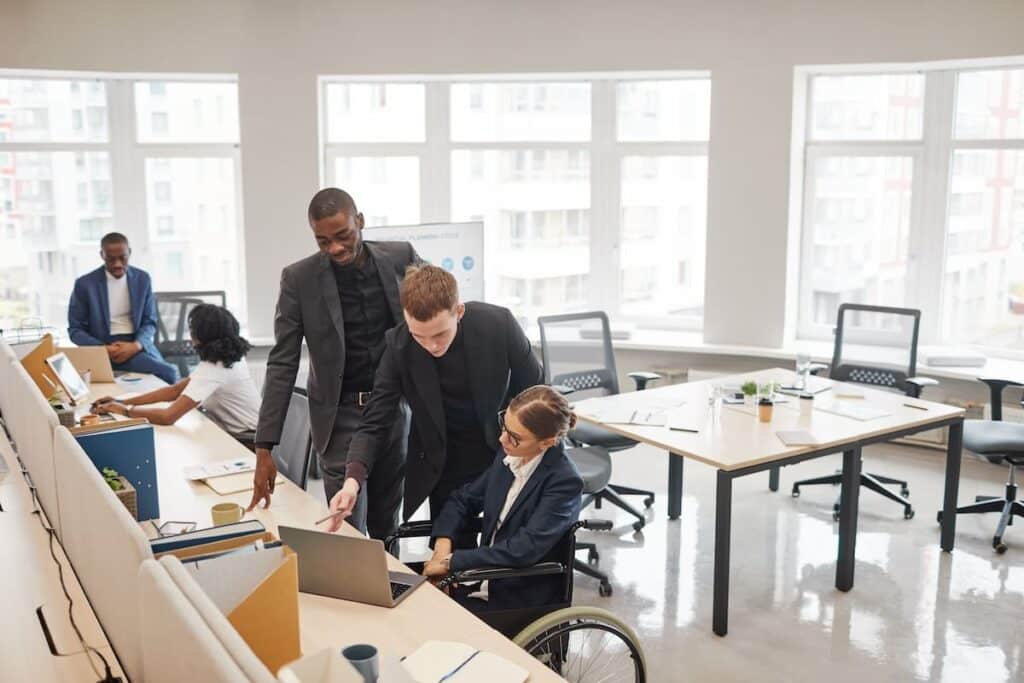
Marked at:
<point>445,660</point>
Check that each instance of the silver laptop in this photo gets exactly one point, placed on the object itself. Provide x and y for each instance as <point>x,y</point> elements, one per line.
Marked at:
<point>347,567</point>
<point>92,358</point>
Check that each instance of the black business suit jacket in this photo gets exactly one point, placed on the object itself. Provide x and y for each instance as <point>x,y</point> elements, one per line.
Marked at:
<point>309,307</point>
<point>500,364</point>
<point>541,515</point>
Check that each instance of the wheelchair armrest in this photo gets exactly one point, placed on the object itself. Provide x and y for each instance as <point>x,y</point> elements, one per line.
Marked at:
<point>563,389</point>
<point>494,573</point>
<point>421,529</point>
<point>641,379</point>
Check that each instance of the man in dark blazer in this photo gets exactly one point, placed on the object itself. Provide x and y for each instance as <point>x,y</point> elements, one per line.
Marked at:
<point>113,306</point>
<point>341,300</point>
<point>457,365</point>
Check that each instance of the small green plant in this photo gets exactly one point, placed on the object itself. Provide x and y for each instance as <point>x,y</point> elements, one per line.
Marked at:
<point>110,476</point>
<point>749,388</point>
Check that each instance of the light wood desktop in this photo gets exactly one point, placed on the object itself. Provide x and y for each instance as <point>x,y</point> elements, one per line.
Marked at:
<point>31,580</point>
<point>737,444</point>
<point>427,614</point>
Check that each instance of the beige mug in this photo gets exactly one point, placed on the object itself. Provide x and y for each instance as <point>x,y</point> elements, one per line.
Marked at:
<point>226,513</point>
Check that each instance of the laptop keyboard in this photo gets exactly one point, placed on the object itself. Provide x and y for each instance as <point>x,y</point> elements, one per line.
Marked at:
<point>397,589</point>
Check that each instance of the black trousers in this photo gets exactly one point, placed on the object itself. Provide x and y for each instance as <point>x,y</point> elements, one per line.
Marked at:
<point>386,485</point>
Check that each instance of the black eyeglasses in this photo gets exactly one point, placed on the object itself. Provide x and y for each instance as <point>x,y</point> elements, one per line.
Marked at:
<point>512,436</point>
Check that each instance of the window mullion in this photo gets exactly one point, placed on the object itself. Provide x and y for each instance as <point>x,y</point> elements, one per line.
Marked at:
<point>127,169</point>
<point>435,160</point>
<point>605,201</point>
<point>928,232</point>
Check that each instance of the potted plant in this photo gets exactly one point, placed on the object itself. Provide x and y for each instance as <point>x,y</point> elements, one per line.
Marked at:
<point>749,390</point>
<point>123,489</point>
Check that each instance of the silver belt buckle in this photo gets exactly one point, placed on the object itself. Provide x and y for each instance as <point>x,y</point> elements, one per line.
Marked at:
<point>363,398</point>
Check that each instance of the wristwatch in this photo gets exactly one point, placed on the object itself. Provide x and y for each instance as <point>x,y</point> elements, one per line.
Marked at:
<point>128,410</point>
<point>447,562</point>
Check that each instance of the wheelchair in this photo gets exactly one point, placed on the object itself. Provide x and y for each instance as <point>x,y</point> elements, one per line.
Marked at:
<point>578,643</point>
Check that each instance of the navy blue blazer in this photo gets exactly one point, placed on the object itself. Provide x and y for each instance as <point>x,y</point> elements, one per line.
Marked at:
<point>89,309</point>
<point>543,512</point>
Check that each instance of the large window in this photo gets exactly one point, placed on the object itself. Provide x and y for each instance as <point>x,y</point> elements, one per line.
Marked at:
<point>592,191</point>
<point>80,157</point>
<point>914,196</point>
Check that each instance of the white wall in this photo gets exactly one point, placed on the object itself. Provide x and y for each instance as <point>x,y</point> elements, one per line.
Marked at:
<point>278,47</point>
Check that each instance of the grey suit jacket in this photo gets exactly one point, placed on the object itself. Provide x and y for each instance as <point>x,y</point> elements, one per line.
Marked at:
<point>309,307</point>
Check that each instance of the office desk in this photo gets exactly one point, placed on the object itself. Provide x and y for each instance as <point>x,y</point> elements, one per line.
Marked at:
<point>737,444</point>
<point>29,580</point>
<point>427,614</point>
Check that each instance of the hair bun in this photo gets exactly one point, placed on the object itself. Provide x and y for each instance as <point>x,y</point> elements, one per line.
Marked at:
<point>572,420</point>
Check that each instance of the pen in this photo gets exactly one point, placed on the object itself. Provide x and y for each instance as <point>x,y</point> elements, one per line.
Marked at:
<point>911,405</point>
<point>685,429</point>
<point>333,514</point>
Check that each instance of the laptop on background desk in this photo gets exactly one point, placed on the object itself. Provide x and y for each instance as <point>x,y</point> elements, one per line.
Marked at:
<point>92,359</point>
<point>347,567</point>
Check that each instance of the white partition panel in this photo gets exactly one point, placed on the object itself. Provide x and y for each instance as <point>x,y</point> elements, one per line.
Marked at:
<point>32,422</point>
<point>177,643</point>
<point>105,545</point>
<point>241,654</point>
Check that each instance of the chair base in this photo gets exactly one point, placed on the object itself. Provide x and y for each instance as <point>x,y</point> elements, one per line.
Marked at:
<point>610,495</point>
<point>874,482</point>
<point>1008,507</point>
<point>587,568</point>
<point>630,491</point>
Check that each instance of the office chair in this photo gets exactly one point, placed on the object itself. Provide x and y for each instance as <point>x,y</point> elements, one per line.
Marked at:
<point>172,309</point>
<point>293,453</point>
<point>1000,443</point>
<point>590,371</point>
<point>895,330</point>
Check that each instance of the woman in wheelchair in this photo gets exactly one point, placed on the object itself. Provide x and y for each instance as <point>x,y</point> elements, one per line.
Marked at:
<point>529,498</point>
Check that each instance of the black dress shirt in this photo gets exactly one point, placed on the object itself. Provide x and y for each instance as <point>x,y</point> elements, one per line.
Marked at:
<point>364,308</point>
<point>467,451</point>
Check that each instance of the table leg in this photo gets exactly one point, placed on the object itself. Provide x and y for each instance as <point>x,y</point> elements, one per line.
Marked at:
<point>848,502</point>
<point>773,479</point>
<point>675,486</point>
<point>723,531</point>
<point>953,456</point>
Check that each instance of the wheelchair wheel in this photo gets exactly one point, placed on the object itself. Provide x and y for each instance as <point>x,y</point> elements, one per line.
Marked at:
<point>585,644</point>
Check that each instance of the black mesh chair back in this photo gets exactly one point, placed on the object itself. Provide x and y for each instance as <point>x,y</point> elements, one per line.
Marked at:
<point>292,453</point>
<point>571,357</point>
<point>876,345</point>
<point>172,336</point>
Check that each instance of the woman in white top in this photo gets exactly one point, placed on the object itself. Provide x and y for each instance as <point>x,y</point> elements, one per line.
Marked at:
<point>220,383</point>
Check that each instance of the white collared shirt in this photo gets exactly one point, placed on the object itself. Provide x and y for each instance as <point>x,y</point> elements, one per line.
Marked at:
<point>521,473</point>
<point>120,304</point>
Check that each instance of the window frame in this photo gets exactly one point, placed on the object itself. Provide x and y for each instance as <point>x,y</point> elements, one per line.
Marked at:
<point>605,152</point>
<point>127,156</point>
<point>932,157</point>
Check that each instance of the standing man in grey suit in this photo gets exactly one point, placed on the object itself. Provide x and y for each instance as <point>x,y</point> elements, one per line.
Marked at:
<point>341,300</point>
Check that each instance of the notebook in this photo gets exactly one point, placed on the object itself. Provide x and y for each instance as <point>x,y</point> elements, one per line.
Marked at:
<point>445,660</point>
<point>235,483</point>
<point>798,437</point>
<point>856,411</point>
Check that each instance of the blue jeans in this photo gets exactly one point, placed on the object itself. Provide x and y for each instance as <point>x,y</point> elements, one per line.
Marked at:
<point>142,362</point>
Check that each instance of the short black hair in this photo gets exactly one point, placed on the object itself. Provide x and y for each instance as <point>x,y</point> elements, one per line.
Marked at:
<point>331,201</point>
<point>216,332</point>
<point>113,238</point>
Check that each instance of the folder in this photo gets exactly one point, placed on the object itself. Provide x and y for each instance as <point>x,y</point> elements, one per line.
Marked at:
<point>259,594</point>
<point>215,546</point>
<point>130,451</point>
<point>35,365</point>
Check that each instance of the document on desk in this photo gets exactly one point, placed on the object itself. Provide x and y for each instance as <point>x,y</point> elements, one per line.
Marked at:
<point>856,410</point>
<point>798,437</point>
<point>220,468</point>
<point>632,416</point>
<point>445,660</point>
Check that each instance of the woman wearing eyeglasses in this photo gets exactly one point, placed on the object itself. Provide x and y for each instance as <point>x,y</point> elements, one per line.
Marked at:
<point>529,497</point>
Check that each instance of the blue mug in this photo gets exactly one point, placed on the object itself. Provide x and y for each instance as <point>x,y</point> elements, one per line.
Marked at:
<point>364,659</point>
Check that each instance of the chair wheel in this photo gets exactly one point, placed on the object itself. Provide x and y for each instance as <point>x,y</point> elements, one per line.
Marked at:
<point>638,525</point>
<point>938,516</point>
<point>908,513</point>
<point>593,557</point>
<point>604,590</point>
<point>648,501</point>
<point>835,515</point>
<point>905,493</point>
<point>796,492</point>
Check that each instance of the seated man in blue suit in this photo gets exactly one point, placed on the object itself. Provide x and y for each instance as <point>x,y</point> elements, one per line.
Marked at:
<point>530,498</point>
<point>113,306</point>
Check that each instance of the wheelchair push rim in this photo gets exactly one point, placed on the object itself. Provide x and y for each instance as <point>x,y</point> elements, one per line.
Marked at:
<point>585,644</point>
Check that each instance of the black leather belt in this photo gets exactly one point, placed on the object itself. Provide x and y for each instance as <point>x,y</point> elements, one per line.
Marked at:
<point>360,398</point>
